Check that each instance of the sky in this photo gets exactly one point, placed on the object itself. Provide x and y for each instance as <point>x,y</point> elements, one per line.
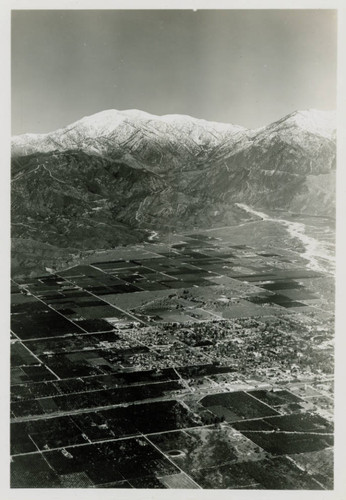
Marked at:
<point>247,67</point>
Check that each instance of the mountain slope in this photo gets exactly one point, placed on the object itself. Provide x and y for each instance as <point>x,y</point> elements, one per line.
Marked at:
<point>114,132</point>
<point>111,178</point>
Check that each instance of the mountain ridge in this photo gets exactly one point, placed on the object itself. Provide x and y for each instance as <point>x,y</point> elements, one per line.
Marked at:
<point>117,183</point>
<point>107,122</point>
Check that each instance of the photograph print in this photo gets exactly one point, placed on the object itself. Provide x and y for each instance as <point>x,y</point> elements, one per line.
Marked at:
<point>173,249</point>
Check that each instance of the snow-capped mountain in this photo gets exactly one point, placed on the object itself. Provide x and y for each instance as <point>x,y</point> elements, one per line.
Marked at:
<point>102,132</point>
<point>109,178</point>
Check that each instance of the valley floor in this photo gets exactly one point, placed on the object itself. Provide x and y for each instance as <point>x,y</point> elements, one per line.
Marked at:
<point>201,361</point>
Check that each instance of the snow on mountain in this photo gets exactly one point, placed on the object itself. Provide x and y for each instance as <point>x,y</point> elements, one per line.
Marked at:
<point>119,126</point>
<point>316,122</point>
<point>109,178</point>
<point>311,121</point>
<point>100,133</point>
<point>106,122</point>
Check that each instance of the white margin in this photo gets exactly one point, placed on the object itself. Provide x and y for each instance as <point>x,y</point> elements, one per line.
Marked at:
<point>6,493</point>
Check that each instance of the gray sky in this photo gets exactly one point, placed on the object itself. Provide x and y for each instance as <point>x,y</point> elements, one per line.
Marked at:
<point>244,67</point>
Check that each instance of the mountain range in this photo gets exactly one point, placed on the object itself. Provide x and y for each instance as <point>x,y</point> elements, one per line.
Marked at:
<point>111,178</point>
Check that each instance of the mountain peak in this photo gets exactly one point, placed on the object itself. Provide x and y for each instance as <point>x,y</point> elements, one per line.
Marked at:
<point>109,129</point>
<point>108,177</point>
<point>314,121</point>
<point>111,118</point>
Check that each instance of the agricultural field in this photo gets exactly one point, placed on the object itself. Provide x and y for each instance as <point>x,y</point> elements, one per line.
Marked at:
<point>202,362</point>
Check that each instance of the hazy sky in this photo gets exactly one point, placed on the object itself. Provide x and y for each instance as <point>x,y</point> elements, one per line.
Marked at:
<point>244,67</point>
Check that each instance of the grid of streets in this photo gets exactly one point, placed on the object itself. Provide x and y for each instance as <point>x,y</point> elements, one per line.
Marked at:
<point>191,364</point>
